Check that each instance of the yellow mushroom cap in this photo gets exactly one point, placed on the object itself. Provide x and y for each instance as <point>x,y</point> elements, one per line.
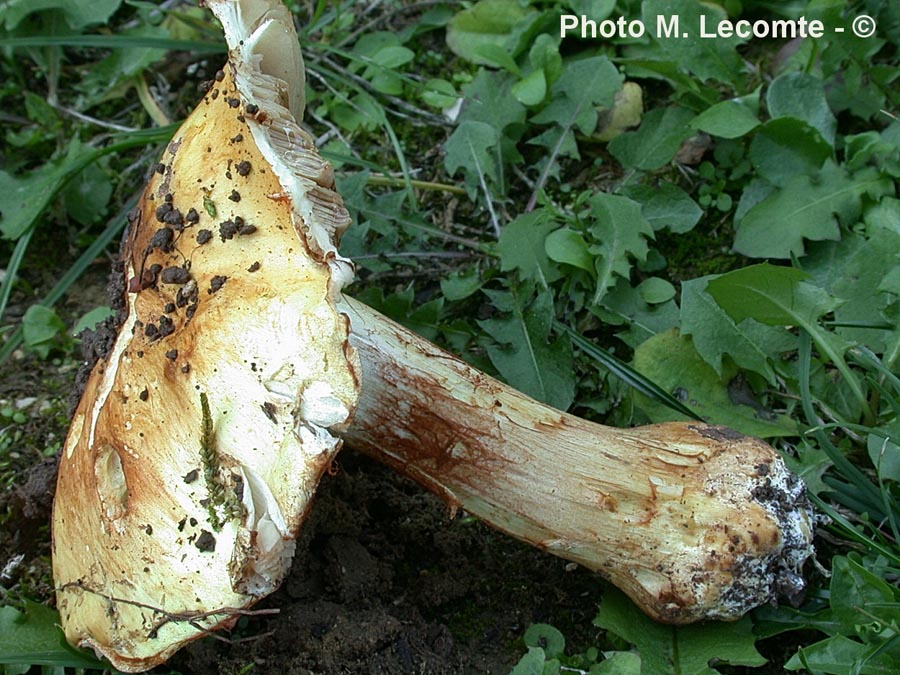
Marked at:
<point>198,444</point>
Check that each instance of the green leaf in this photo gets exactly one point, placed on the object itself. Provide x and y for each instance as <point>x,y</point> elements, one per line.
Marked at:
<point>686,650</point>
<point>532,663</point>
<point>40,327</point>
<point>384,54</point>
<point>624,372</point>
<point>439,93</point>
<point>621,233</point>
<point>524,356</point>
<point>489,100</point>
<point>402,307</point>
<point>859,597</point>
<point>780,296</point>
<point>461,284</point>
<point>810,464</point>
<point>839,655</point>
<point>488,22</point>
<point>802,96</point>
<point>565,245</point>
<point>853,270</point>
<point>618,663</point>
<point>23,200</point>
<point>91,319</point>
<point>87,195</point>
<point>728,119</point>
<point>393,56</point>
<point>77,13</point>
<point>777,296</point>
<point>107,79</point>
<point>531,89</point>
<point>805,208</point>
<point>470,148</point>
<point>32,636</point>
<point>657,140</point>
<point>583,85</point>
<point>885,456</point>
<point>497,56</point>
<point>783,148</point>
<point>522,247</point>
<point>716,59</point>
<point>670,360</point>
<point>544,55</point>
<point>715,334</point>
<point>666,206</point>
<point>624,305</point>
<point>655,290</point>
<point>547,638</point>
<point>595,9</point>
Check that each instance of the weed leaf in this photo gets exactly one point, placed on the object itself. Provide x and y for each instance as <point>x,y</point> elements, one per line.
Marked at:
<point>489,100</point>
<point>666,206</point>
<point>777,296</point>
<point>522,247</point>
<point>621,231</point>
<point>839,655</point>
<point>657,140</point>
<point>780,296</point>
<point>707,59</point>
<point>582,86</point>
<point>802,96</point>
<point>32,636</point>
<point>786,147</point>
<point>686,650</point>
<point>715,334</point>
<point>806,208</point>
<point>523,355</point>
<point>470,148</point>
<point>670,360</point>
<point>22,200</point>
<point>728,119</point>
<point>77,13</point>
<point>565,245</point>
<point>854,270</point>
<point>489,23</point>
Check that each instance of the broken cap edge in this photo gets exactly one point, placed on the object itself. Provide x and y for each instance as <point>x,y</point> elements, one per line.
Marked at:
<point>265,56</point>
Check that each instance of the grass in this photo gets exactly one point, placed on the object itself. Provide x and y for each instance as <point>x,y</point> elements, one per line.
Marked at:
<point>477,181</point>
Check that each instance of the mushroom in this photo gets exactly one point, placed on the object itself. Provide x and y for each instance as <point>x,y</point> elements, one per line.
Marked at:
<point>693,521</point>
<point>239,366</point>
<point>199,441</point>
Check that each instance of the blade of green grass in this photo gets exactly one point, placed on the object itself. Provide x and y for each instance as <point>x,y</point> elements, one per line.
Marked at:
<point>866,357</point>
<point>115,42</point>
<point>847,529</point>
<point>867,492</point>
<point>626,373</point>
<point>12,270</point>
<point>113,228</point>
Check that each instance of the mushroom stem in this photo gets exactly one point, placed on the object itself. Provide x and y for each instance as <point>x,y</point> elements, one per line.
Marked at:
<point>692,521</point>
